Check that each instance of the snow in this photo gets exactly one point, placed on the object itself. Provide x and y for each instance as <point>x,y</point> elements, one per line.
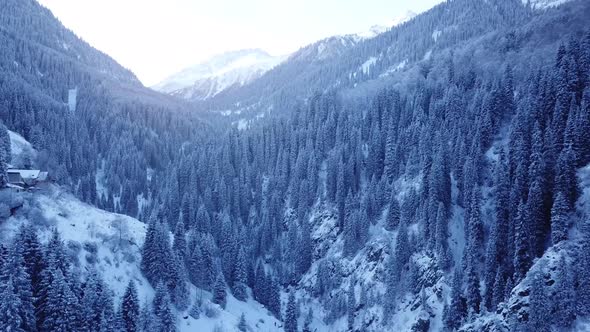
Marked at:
<point>118,238</point>
<point>395,68</point>
<point>321,49</point>
<point>111,244</point>
<point>544,4</point>
<point>101,189</point>
<point>436,34</point>
<point>18,145</point>
<point>219,73</point>
<point>366,67</point>
<point>242,124</point>
<point>258,318</point>
<point>376,30</point>
<point>26,174</point>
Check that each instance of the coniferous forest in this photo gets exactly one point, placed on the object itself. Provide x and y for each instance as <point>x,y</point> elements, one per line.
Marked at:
<point>448,194</point>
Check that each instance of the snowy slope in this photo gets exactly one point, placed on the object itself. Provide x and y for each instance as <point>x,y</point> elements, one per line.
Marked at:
<point>110,244</point>
<point>19,146</point>
<point>544,4</point>
<point>209,78</point>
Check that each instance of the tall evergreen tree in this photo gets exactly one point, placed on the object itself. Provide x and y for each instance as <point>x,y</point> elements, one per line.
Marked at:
<point>565,302</point>
<point>583,272</point>
<point>565,175</point>
<point>219,294</point>
<point>240,277</point>
<point>166,320</point>
<point>393,215</point>
<point>10,306</point>
<point>59,306</point>
<point>522,253</point>
<point>473,294</point>
<point>3,158</point>
<point>457,310</point>
<point>130,308</point>
<point>559,219</point>
<point>291,314</point>
<point>538,310</point>
<point>5,143</point>
<point>351,305</point>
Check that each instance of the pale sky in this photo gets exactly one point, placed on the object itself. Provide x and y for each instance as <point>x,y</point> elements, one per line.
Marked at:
<point>156,38</point>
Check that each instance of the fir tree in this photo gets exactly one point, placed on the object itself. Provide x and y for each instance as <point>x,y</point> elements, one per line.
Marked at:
<point>239,284</point>
<point>522,254</point>
<point>559,219</point>
<point>583,272</point>
<point>146,318</point>
<point>565,302</point>
<point>219,294</point>
<point>3,158</point>
<point>274,297</point>
<point>180,240</point>
<point>5,143</point>
<point>166,320</point>
<point>242,325</point>
<point>565,175</point>
<point>130,308</point>
<point>291,314</point>
<point>10,306</point>
<point>457,311</point>
<point>473,292</point>
<point>351,306</point>
<point>60,301</point>
<point>538,312</point>
<point>195,311</point>
<point>393,215</point>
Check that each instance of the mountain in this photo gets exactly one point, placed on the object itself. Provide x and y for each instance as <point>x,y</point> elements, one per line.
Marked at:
<point>238,68</point>
<point>379,29</point>
<point>435,177</point>
<point>219,73</point>
<point>345,62</point>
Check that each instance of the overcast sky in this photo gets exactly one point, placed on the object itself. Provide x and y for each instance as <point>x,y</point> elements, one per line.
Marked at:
<point>156,38</point>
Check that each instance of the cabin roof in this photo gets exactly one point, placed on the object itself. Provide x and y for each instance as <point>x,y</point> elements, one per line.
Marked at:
<point>26,174</point>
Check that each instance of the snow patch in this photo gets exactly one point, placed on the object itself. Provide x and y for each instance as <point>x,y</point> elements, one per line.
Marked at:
<point>19,146</point>
<point>436,34</point>
<point>366,67</point>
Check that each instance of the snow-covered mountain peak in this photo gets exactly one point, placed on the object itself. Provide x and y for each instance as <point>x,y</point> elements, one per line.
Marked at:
<point>219,73</point>
<point>381,28</point>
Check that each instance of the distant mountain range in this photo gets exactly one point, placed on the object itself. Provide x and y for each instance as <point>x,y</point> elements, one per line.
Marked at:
<point>208,78</point>
<point>238,68</point>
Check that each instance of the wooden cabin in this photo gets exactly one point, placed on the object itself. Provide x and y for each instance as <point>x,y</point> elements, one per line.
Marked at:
<point>26,177</point>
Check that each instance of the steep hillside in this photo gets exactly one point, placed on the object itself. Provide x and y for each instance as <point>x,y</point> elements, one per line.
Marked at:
<point>309,71</point>
<point>107,246</point>
<point>39,62</point>
<point>371,64</point>
<point>434,177</point>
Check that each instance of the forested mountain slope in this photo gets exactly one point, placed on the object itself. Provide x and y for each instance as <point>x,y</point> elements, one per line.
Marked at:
<point>424,204</point>
<point>340,62</point>
<point>448,194</point>
<point>120,129</point>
